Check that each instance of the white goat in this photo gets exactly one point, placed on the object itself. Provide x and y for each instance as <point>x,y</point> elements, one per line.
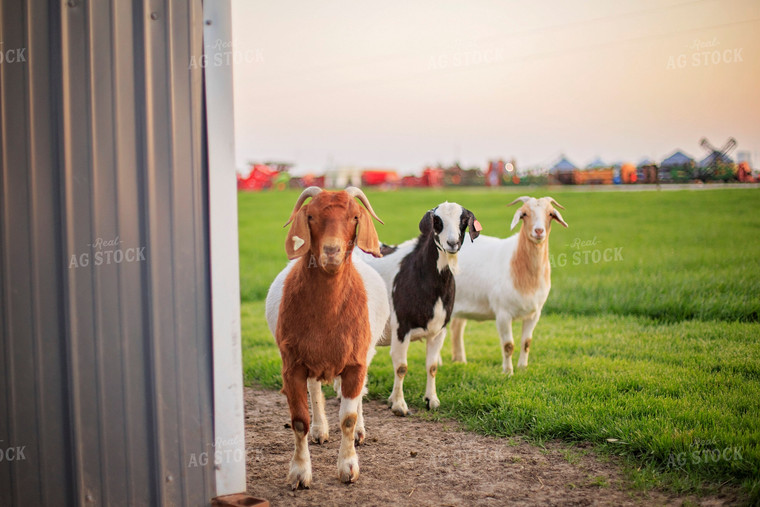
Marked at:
<point>507,279</point>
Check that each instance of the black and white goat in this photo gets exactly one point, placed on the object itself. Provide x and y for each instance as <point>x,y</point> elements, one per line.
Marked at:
<point>419,275</point>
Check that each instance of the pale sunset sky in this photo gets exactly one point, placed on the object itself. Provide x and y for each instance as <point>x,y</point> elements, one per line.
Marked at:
<point>404,84</point>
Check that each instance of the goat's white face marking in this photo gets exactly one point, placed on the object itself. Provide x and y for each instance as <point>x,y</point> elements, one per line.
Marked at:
<point>297,242</point>
<point>450,236</point>
<point>535,214</point>
<point>539,223</point>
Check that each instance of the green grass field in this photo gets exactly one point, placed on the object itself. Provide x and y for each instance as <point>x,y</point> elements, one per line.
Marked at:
<point>649,345</point>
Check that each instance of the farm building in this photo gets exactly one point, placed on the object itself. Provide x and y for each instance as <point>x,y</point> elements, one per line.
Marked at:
<point>597,163</point>
<point>119,286</point>
<point>676,167</point>
<point>563,171</point>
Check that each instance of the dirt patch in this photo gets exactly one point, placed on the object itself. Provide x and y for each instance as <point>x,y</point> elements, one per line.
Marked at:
<point>410,461</point>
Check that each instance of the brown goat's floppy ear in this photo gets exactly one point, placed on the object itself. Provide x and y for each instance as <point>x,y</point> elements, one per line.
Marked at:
<point>298,242</point>
<point>473,226</point>
<point>366,235</point>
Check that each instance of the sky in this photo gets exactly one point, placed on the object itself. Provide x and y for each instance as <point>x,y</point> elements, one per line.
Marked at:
<point>401,85</point>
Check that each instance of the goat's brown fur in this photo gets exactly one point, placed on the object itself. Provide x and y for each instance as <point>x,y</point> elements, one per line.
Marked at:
<point>531,260</point>
<point>323,325</point>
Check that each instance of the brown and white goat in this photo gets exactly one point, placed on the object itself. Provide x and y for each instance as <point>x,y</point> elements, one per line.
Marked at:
<point>326,312</point>
<point>507,279</point>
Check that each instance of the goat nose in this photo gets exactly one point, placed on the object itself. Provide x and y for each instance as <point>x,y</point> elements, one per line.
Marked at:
<point>452,244</point>
<point>539,231</point>
<point>331,249</point>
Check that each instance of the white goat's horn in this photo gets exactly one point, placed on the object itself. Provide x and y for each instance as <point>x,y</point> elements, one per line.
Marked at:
<point>357,192</point>
<point>309,192</point>
<point>554,203</point>
<point>523,199</point>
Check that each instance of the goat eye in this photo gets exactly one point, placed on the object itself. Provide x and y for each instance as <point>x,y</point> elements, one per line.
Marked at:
<point>310,217</point>
<point>356,217</point>
<point>437,224</point>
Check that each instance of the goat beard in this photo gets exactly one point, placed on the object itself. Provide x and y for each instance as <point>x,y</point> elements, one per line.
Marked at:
<point>330,267</point>
<point>451,260</point>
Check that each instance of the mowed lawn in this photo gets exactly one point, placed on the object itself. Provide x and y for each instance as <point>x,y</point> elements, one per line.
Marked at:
<point>649,346</point>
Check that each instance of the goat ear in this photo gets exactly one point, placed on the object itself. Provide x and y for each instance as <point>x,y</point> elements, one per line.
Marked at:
<point>366,235</point>
<point>298,241</point>
<point>426,224</point>
<point>516,218</point>
<point>558,217</point>
<point>472,225</point>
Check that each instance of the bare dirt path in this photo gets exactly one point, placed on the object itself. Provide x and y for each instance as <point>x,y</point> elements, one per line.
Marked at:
<point>409,461</point>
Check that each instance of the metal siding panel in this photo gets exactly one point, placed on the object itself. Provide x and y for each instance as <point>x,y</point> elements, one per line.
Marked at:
<point>106,369</point>
<point>105,195</point>
<point>161,318</point>
<point>52,424</point>
<point>20,355</point>
<point>136,412</point>
<point>79,234</point>
<point>186,36</point>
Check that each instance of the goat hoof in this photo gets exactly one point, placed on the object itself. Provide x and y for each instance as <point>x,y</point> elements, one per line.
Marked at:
<point>359,436</point>
<point>300,480</point>
<point>349,470</point>
<point>299,484</point>
<point>401,412</point>
<point>319,433</point>
<point>432,404</point>
<point>320,439</point>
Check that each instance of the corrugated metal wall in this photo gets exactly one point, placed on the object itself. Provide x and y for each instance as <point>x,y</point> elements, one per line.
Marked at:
<point>105,360</point>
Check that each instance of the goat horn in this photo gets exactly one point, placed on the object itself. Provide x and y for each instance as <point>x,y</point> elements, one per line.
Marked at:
<point>309,192</point>
<point>523,199</point>
<point>357,192</point>
<point>554,203</point>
